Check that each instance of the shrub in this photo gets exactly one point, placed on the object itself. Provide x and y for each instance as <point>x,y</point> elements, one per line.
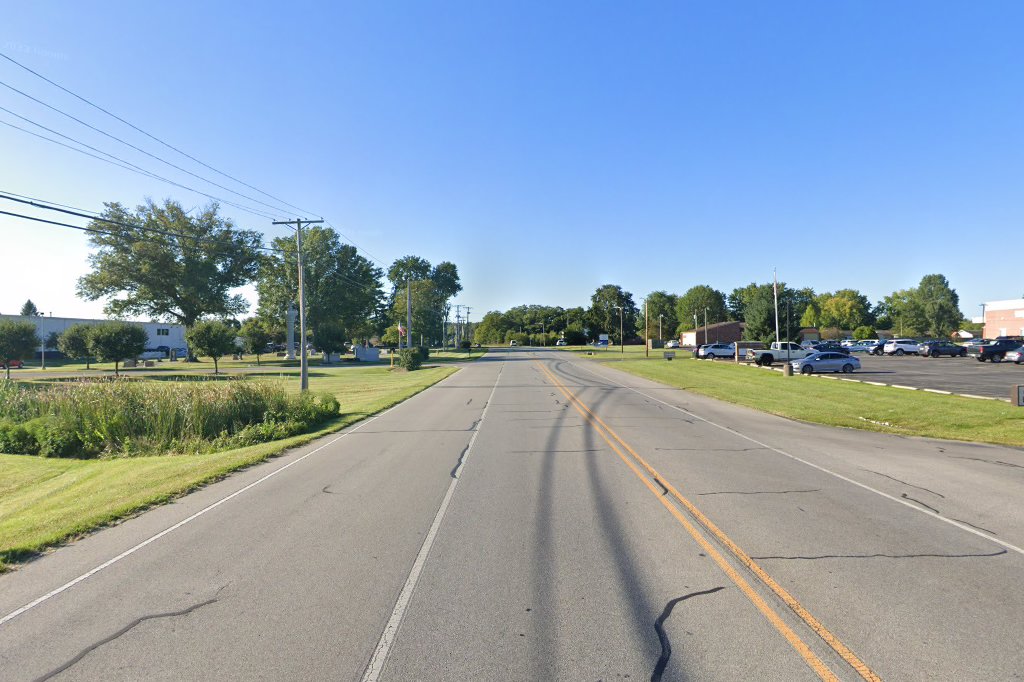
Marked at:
<point>410,359</point>
<point>424,352</point>
<point>466,345</point>
<point>15,439</point>
<point>865,332</point>
<point>124,417</point>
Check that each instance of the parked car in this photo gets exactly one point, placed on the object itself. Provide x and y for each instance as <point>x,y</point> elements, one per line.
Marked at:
<point>866,346</point>
<point>13,364</point>
<point>831,347</point>
<point>900,347</point>
<point>825,362</point>
<point>560,342</point>
<point>933,349</point>
<point>513,342</point>
<point>777,350</point>
<point>1015,356</point>
<point>153,354</point>
<point>717,350</point>
<point>672,343</point>
<point>996,350</point>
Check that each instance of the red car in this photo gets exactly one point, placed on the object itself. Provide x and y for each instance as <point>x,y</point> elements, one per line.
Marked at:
<point>14,364</point>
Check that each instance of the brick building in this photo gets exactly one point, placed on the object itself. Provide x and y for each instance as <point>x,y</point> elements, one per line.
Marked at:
<point>1004,318</point>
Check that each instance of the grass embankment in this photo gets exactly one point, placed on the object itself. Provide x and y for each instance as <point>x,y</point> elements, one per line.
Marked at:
<point>44,501</point>
<point>833,403</point>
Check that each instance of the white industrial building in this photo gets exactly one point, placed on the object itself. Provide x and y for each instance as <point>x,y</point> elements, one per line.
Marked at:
<point>171,336</point>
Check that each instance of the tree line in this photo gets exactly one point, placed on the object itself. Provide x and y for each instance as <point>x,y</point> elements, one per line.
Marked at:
<point>162,262</point>
<point>930,309</point>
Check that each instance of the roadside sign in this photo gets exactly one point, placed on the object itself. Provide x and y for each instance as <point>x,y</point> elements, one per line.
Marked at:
<point>1019,396</point>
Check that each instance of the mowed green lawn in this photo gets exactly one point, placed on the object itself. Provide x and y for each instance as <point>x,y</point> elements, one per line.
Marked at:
<point>831,402</point>
<point>44,502</point>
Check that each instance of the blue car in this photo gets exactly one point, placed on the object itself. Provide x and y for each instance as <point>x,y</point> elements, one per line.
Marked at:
<point>826,362</point>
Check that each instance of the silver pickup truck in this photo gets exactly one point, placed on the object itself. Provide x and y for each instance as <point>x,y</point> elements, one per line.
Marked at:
<point>778,352</point>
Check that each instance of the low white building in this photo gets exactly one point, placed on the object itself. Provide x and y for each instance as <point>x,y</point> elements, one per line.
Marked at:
<point>171,336</point>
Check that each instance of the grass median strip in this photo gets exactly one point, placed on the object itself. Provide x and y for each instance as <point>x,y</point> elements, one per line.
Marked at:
<point>836,403</point>
<point>46,501</point>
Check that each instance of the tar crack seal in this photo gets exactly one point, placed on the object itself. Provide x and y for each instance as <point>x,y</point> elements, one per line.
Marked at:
<point>666,645</point>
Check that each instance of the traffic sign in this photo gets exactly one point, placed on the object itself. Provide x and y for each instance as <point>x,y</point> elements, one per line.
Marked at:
<point>1019,396</point>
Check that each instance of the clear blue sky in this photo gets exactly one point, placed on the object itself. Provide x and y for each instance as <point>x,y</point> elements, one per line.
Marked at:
<point>550,147</point>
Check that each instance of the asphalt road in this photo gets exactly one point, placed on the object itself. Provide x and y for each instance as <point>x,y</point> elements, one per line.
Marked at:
<point>537,516</point>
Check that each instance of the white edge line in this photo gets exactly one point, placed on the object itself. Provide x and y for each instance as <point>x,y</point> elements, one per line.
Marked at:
<point>909,505</point>
<point>128,552</point>
<point>375,667</point>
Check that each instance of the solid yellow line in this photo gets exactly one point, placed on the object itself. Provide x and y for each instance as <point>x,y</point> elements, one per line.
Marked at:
<point>847,655</point>
<point>812,660</point>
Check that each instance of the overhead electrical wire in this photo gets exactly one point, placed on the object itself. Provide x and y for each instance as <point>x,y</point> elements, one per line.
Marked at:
<point>151,136</point>
<point>83,213</point>
<point>132,226</point>
<point>117,161</point>
<point>127,165</point>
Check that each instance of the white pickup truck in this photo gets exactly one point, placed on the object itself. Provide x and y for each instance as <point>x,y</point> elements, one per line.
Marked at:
<point>778,352</point>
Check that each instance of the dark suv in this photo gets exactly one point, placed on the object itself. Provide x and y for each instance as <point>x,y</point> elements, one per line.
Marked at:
<point>995,350</point>
<point>933,349</point>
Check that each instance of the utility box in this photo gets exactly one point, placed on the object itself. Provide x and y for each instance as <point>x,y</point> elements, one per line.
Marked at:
<point>669,354</point>
<point>1017,395</point>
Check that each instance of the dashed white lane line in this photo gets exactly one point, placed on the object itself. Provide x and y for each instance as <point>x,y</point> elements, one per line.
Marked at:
<point>905,503</point>
<point>380,654</point>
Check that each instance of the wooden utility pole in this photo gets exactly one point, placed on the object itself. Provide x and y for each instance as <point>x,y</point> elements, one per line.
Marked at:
<point>303,362</point>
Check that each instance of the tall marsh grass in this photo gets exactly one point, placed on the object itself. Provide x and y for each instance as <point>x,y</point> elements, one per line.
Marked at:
<point>126,417</point>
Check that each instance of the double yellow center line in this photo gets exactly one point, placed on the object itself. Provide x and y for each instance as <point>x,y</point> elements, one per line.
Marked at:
<point>638,466</point>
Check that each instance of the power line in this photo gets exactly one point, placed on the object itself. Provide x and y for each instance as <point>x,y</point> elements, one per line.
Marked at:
<point>101,219</point>
<point>118,161</point>
<point>152,137</point>
<point>83,213</point>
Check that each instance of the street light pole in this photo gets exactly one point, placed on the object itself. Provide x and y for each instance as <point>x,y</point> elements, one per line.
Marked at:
<point>660,336</point>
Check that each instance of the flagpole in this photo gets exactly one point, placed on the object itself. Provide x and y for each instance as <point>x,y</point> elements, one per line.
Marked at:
<point>775,290</point>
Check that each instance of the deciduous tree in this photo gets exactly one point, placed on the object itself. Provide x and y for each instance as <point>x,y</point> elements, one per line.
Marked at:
<point>255,335</point>
<point>161,262</point>
<point>18,340</point>
<point>74,342</point>
<point>694,301</point>
<point>117,341</point>
<point>213,339</point>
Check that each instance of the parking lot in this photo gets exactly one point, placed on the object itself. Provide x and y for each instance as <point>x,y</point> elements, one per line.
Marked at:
<point>958,375</point>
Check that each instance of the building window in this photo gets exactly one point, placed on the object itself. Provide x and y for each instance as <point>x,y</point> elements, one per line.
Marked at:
<point>163,332</point>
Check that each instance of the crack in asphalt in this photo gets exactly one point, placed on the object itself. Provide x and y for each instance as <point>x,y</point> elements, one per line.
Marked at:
<point>458,464</point>
<point>329,492</point>
<point>884,556</point>
<point>968,523</point>
<point>998,462</point>
<point>923,504</point>
<point>893,478</point>
<point>659,627</point>
<point>472,427</point>
<point>761,492</point>
<point>123,631</point>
